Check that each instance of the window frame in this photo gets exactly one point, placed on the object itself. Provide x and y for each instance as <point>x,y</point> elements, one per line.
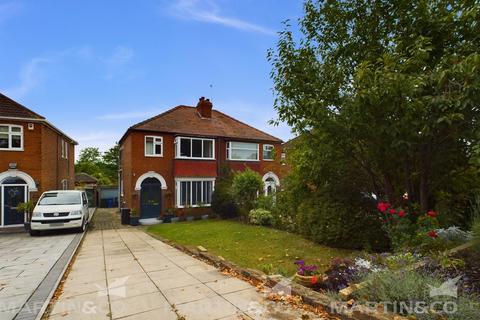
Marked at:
<point>178,142</point>
<point>273,152</point>
<point>178,191</point>
<point>10,133</point>
<point>229,154</point>
<point>155,155</point>
<point>64,151</point>
<point>64,183</point>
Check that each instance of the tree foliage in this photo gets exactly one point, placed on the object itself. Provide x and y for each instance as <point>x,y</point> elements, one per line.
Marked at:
<point>389,91</point>
<point>246,186</point>
<point>104,166</point>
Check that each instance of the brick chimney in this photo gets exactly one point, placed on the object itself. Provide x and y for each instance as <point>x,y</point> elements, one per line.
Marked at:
<point>204,108</point>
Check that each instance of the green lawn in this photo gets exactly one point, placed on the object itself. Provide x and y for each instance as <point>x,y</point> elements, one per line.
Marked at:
<point>265,249</point>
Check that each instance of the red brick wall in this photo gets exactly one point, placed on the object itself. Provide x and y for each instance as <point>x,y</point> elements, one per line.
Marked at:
<point>40,158</point>
<point>134,164</point>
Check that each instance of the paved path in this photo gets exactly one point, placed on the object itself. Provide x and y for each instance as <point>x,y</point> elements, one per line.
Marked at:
<point>25,261</point>
<point>127,274</point>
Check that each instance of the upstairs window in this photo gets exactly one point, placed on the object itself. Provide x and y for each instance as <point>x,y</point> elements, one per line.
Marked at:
<point>11,137</point>
<point>244,151</point>
<point>268,152</point>
<point>64,149</point>
<point>194,148</point>
<point>153,146</point>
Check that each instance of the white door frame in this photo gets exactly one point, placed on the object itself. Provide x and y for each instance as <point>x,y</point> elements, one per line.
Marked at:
<point>26,197</point>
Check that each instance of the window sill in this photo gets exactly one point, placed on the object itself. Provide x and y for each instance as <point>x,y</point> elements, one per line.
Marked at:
<point>203,206</point>
<point>271,160</point>
<point>154,155</point>
<point>243,160</point>
<point>191,158</point>
<point>12,149</point>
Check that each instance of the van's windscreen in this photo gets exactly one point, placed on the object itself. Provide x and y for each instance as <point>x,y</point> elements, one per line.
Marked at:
<point>60,198</point>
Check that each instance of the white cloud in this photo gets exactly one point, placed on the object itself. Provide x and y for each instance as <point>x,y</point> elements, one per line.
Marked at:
<point>31,75</point>
<point>208,11</point>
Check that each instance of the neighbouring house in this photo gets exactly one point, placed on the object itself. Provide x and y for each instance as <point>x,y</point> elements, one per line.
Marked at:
<point>89,184</point>
<point>35,156</point>
<point>171,161</point>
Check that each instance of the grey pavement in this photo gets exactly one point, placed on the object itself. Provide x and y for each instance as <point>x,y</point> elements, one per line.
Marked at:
<point>127,274</point>
<point>24,263</point>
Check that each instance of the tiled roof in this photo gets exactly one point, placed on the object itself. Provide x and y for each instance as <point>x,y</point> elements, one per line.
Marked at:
<point>10,108</point>
<point>185,120</point>
<point>85,178</point>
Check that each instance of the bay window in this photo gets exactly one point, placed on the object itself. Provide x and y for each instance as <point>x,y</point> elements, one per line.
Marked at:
<point>194,192</point>
<point>194,148</point>
<point>153,146</point>
<point>245,151</point>
<point>11,137</point>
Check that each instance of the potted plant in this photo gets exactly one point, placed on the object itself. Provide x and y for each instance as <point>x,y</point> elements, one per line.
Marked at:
<point>26,208</point>
<point>307,275</point>
<point>169,214</point>
<point>134,217</point>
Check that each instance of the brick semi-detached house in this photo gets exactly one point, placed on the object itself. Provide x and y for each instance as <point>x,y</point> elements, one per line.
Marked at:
<point>172,160</point>
<point>35,156</point>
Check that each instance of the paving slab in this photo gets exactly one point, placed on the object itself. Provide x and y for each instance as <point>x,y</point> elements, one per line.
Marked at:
<point>144,278</point>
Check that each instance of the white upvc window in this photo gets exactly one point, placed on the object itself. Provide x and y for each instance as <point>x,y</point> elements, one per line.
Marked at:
<point>268,152</point>
<point>194,192</point>
<point>11,137</point>
<point>153,146</point>
<point>64,153</point>
<point>194,148</point>
<point>64,184</point>
<point>242,151</point>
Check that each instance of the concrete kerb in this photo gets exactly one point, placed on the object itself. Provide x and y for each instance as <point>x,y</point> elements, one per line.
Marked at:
<point>309,296</point>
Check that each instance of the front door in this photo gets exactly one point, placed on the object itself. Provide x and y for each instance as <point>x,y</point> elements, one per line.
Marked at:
<point>12,196</point>
<point>150,198</point>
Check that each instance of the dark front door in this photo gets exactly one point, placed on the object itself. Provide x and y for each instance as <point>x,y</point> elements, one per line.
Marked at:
<point>150,198</point>
<point>12,197</point>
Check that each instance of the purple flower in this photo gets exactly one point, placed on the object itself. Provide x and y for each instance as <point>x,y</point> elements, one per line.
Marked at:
<point>300,262</point>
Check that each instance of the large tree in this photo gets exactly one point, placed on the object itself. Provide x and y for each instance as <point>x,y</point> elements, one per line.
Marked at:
<point>104,166</point>
<point>390,89</point>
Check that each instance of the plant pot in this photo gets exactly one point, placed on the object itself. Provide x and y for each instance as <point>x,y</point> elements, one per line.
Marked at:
<point>26,225</point>
<point>133,221</point>
<point>125,215</point>
<point>204,216</point>
<point>168,218</point>
<point>305,281</point>
<point>190,218</point>
<point>174,219</point>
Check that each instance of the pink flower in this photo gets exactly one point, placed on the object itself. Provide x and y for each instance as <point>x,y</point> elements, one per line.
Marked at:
<point>393,211</point>
<point>402,213</point>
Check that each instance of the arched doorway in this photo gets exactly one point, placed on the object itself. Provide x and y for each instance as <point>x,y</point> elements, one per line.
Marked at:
<point>150,198</point>
<point>270,183</point>
<point>13,191</point>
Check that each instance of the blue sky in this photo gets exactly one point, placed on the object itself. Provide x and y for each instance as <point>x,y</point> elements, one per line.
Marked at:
<point>94,68</point>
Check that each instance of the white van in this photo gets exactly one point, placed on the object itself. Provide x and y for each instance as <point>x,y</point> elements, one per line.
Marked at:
<point>60,209</point>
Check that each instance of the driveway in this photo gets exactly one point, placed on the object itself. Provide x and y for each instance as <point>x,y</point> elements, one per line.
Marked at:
<point>127,274</point>
<point>24,264</point>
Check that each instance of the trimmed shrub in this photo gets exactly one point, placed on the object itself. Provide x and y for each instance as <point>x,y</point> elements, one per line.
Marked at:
<point>260,217</point>
<point>246,186</point>
<point>223,203</point>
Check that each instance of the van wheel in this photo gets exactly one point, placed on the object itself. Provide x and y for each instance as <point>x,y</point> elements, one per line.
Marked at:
<point>34,233</point>
<point>83,227</point>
